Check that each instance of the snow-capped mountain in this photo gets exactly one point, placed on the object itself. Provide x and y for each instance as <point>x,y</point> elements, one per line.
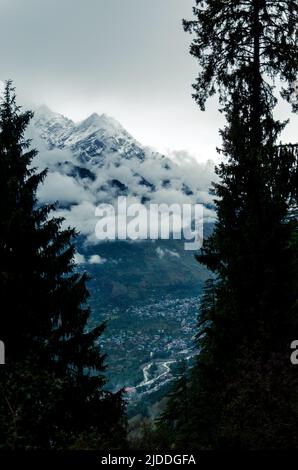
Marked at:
<point>91,140</point>
<point>96,160</point>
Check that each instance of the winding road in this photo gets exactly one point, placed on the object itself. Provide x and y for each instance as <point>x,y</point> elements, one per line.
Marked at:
<point>163,370</point>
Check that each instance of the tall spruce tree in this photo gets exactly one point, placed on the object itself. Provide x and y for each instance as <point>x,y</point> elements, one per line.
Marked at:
<point>52,385</point>
<point>243,390</point>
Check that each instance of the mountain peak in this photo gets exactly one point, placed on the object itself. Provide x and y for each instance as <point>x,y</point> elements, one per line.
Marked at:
<point>93,117</point>
<point>106,119</point>
<point>102,122</point>
<point>45,113</point>
<point>103,118</point>
<point>44,110</point>
<point>92,137</point>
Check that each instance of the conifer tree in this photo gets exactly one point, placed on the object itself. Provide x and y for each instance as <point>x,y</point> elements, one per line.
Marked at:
<point>52,391</point>
<point>244,388</point>
<point>176,416</point>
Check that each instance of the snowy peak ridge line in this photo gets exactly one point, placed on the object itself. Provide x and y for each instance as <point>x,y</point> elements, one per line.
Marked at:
<point>96,160</point>
<point>51,127</point>
<point>45,117</point>
<point>88,139</point>
<point>103,121</point>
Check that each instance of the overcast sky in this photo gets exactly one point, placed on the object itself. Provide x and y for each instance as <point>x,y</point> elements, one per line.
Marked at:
<point>127,58</point>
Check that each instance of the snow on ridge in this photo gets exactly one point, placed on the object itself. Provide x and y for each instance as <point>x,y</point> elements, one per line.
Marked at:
<point>89,138</point>
<point>71,131</point>
<point>97,160</point>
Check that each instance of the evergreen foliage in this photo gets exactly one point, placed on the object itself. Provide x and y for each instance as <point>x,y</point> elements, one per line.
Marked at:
<point>243,389</point>
<point>52,385</point>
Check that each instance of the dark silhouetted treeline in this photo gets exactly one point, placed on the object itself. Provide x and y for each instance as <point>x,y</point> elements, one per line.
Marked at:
<point>52,392</point>
<point>243,390</point>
